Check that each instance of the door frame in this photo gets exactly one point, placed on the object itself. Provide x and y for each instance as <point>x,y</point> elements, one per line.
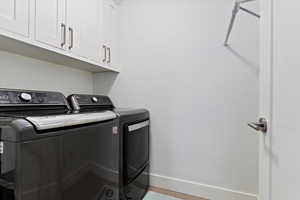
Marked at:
<point>266,97</point>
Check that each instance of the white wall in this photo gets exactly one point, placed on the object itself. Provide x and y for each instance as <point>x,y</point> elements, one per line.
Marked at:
<point>27,73</point>
<point>201,95</point>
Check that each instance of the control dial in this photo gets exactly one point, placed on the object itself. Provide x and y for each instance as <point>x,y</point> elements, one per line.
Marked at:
<point>95,100</point>
<point>25,97</point>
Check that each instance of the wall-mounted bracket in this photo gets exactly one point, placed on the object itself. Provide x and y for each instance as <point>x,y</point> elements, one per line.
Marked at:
<point>236,9</point>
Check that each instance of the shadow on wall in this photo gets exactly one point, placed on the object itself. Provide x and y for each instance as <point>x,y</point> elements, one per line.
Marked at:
<point>106,79</point>
<point>245,60</point>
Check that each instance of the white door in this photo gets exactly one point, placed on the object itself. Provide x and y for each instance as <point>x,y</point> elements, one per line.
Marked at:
<point>280,100</point>
<point>83,28</point>
<point>50,26</point>
<point>110,31</point>
<point>14,16</point>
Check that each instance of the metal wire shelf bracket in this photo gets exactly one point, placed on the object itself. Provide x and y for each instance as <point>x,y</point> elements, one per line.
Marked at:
<point>236,9</point>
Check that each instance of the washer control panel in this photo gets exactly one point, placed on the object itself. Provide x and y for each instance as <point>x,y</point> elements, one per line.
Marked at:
<point>26,97</point>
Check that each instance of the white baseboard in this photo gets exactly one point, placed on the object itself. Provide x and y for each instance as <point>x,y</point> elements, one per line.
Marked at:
<point>197,189</point>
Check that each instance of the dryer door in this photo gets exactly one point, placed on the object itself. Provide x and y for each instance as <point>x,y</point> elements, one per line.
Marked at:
<point>136,149</point>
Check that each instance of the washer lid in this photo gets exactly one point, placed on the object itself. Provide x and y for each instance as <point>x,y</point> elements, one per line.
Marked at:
<point>59,121</point>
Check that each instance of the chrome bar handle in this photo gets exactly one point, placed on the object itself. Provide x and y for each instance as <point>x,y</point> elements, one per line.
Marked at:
<point>1,147</point>
<point>105,54</point>
<point>109,55</point>
<point>138,126</point>
<point>60,121</point>
<point>63,35</point>
<point>71,37</point>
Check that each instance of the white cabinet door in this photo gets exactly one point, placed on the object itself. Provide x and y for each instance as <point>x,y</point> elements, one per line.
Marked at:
<point>50,25</point>
<point>14,16</point>
<point>83,28</point>
<point>110,32</point>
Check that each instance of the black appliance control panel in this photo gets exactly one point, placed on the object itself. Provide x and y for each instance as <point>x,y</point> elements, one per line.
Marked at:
<point>90,100</point>
<point>28,97</point>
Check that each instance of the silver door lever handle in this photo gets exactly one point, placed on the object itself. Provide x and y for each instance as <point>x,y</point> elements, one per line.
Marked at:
<point>262,125</point>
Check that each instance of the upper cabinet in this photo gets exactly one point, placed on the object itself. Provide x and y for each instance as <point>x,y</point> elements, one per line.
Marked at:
<point>50,23</point>
<point>83,27</point>
<point>110,33</point>
<point>82,30</point>
<point>14,16</point>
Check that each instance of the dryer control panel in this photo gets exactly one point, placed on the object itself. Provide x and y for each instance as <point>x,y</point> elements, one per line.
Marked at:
<point>81,101</point>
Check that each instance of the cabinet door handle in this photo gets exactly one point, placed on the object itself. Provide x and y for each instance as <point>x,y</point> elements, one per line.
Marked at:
<point>71,37</point>
<point>63,35</point>
<point>109,55</point>
<point>105,54</point>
